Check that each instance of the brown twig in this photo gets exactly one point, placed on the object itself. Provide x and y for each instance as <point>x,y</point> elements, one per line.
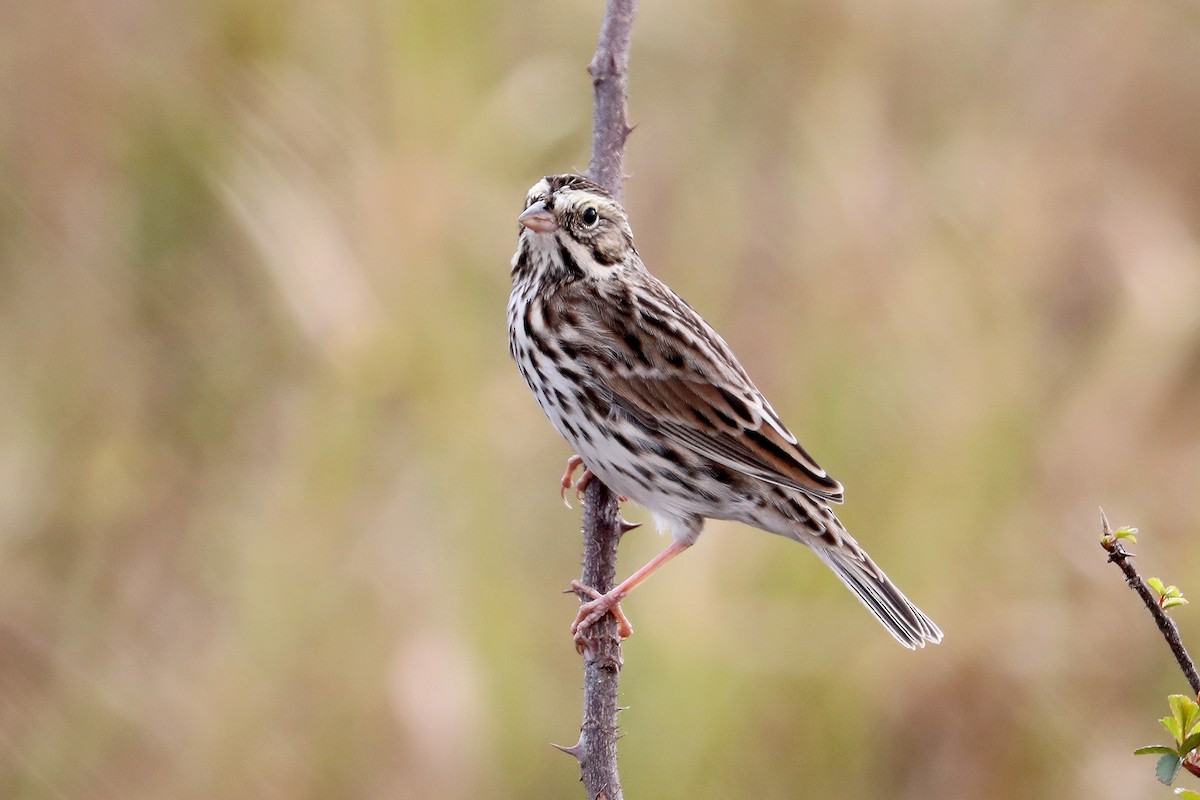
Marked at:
<point>1121,557</point>
<point>610,80</point>
<point>596,749</point>
<point>602,524</point>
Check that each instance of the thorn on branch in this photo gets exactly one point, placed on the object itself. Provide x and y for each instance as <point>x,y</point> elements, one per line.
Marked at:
<point>575,750</point>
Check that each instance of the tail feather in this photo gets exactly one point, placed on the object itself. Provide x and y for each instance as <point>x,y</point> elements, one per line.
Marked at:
<point>903,620</point>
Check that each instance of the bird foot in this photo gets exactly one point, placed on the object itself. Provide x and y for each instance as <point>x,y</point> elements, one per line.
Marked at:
<point>568,481</point>
<point>594,610</point>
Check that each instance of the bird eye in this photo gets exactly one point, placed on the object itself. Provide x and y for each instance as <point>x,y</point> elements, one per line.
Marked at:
<point>590,216</point>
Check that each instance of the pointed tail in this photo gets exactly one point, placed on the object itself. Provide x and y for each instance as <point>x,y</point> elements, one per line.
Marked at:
<point>903,620</point>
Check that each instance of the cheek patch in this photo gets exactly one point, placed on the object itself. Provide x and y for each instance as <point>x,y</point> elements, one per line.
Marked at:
<point>609,248</point>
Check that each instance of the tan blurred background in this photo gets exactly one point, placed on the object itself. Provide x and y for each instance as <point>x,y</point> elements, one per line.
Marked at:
<point>278,518</point>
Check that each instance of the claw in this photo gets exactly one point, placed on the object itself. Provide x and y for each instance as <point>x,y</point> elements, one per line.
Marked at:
<point>568,480</point>
<point>594,610</point>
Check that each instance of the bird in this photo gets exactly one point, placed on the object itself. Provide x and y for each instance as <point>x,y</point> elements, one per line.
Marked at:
<point>655,404</point>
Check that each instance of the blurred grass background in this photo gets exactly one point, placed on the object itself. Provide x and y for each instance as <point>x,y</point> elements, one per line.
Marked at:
<point>278,518</point>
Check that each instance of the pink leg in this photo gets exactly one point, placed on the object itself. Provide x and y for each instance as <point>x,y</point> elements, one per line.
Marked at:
<point>601,604</point>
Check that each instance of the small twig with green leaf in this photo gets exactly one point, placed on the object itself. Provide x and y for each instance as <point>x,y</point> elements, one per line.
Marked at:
<point>1157,597</point>
<point>1168,596</point>
<point>1184,722</point>
<point>1184,726</point>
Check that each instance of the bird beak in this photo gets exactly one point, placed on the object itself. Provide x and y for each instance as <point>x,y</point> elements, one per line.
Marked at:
<point>538,218</point>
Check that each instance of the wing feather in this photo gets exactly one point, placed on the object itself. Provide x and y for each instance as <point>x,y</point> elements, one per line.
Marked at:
<point>674,374</point>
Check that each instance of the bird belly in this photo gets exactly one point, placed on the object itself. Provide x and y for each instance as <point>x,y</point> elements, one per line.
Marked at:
<point>621,456</point>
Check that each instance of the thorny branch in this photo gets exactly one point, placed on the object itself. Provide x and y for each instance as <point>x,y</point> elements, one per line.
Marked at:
<point>1122,558</point>
<point>602,524</point>
<point>610,80</point>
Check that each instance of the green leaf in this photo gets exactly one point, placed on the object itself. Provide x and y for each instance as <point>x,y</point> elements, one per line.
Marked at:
<point>1168,768</point>
<point>1154,748</point>
<point>1189,744</point>
<point>1171,602</point>
<point>1126,532</point>
<point>1185,711</point>
<point>1172,726</point>
<point>1156,585</point>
